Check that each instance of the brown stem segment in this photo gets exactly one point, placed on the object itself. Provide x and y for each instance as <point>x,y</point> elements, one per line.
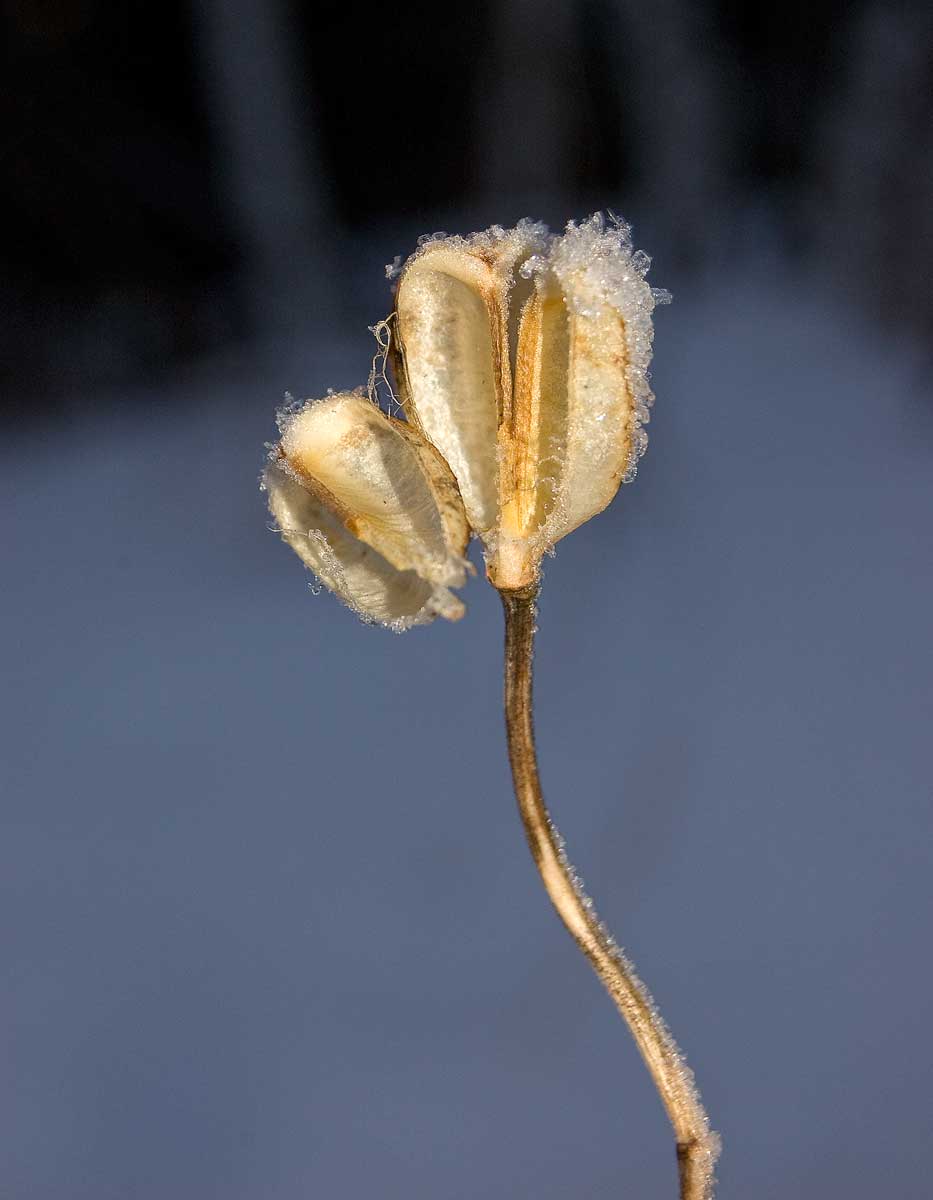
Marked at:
<point>697,1146</point>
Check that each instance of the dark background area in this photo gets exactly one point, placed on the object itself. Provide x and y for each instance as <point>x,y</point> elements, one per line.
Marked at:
<point>167,173</point>
<point>268,926</point>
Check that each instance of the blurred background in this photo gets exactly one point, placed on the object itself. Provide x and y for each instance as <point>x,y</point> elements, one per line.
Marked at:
<point>269,928</point>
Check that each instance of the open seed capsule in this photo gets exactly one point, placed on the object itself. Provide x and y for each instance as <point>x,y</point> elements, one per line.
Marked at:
<point>523,358</point>
<point>371,507</point>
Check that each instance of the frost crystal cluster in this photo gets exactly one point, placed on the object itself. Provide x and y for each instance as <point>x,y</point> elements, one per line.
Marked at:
<point>521,359</point>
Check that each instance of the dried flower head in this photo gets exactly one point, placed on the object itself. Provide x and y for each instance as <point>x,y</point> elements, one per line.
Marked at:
<point>523,357</point>
<point>371,508</point>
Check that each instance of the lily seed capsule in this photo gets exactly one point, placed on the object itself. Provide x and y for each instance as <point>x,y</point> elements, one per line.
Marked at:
<point>523,357</point>
<point>371,507</point>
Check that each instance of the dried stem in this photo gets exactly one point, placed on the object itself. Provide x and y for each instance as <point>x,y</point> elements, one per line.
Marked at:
<point>697,1146</point>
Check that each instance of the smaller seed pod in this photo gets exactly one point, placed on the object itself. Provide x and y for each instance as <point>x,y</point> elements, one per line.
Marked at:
<point>371,508</point>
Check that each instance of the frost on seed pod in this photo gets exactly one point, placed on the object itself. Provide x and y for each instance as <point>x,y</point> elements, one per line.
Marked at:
<point>523,357</point>
<point>371,508</point>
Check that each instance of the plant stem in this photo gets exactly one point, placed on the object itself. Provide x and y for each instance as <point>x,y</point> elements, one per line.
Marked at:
<point>697,1146</point>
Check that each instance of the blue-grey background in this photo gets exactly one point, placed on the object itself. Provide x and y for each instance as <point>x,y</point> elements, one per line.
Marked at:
<point>268,925</point>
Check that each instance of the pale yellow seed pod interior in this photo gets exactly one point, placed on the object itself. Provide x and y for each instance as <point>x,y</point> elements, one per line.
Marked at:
<point>536,441</point>
<point>353,571</point>
<point>369,471</point>
<point>450,327</point>
<point>597,435</point>
<point>572,437</point>
<point>457,306</point>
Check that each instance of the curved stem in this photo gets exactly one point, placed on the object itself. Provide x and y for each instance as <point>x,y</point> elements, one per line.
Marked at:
<point>697,1146</point>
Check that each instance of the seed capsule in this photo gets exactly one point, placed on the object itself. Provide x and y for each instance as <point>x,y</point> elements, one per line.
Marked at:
<point>523,358</point>
<point>371,507</point>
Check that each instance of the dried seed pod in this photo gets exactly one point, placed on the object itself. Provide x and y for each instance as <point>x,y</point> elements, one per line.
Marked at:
<point>456,344</point>
<point>523,357</point>
<point>371,508</point>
